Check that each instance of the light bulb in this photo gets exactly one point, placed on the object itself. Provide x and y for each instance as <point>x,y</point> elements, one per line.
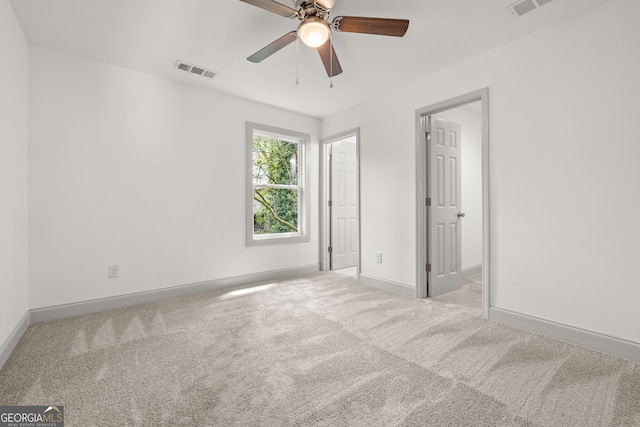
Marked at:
<point>313,31</point>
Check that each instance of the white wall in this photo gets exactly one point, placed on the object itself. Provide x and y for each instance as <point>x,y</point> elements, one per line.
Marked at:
<point>564,175</point>
<point>13,171</point>
<point>131,169</point>
<point>471,181</point>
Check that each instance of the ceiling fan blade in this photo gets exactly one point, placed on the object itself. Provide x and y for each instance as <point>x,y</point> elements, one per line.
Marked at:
<point>272,48</point>
<point>326,4</point>
<point>380,26</point>
<point>330,59</point>
<point>274,6</point>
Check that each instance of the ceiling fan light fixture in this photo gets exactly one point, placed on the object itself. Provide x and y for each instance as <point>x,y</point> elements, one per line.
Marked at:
<point>313,31</point>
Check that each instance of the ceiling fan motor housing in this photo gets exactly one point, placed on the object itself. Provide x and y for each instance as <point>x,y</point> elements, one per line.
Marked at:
<point>308,8</point>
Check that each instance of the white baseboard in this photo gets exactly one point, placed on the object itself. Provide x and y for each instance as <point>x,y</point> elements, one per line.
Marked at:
<point>13,339</point>
<point>607,344</point>
<point>471,270</point>
<point>92,306</point>
<point>388,285</point>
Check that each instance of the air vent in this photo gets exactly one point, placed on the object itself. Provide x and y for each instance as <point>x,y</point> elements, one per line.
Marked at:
<point>184,66</point>
<point>525,6</point>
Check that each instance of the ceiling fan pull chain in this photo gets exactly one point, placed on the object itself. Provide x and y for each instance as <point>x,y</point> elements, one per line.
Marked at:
<point>297,60</point>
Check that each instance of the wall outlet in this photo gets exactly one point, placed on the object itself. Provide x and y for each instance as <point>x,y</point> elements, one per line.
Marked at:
<point>379,257</point>
<point>114,271</point>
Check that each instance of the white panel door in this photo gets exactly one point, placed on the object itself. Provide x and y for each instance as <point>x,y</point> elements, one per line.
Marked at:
<point>344,220</point>
<point>444,186</point>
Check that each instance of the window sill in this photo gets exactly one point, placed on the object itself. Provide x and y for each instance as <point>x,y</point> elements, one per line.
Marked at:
<point>276,239</point>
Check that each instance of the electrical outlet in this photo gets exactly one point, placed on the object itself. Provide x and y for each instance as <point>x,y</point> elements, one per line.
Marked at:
<point>379,257</point>
<point>114,271</point>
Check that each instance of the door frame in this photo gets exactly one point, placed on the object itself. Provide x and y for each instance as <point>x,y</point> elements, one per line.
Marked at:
<point>325,218</point>
<point>422,218</point>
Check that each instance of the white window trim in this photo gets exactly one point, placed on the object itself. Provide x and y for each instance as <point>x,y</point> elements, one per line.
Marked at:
<point>303,184</point>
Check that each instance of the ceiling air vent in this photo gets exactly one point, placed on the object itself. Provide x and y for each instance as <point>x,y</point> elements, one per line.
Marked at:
<point>184,66</point>
<point>525,6</point>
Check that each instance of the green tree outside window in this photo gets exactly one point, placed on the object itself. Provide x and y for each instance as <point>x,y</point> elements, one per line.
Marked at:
<point>275,185</point>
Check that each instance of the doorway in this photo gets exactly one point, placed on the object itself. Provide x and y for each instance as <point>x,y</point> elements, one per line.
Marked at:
<point>452,191</point>
<point>339,212</point>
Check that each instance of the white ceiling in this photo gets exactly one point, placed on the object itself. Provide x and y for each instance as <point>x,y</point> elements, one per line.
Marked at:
<point>150,35</point>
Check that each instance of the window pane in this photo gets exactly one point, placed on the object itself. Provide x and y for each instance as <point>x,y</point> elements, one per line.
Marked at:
<point>274,161</point>
<point>275,210</point>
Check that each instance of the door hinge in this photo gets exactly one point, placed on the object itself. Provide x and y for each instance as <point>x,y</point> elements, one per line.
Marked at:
<point>428,268</point>
<point>427,201</point>
<point>330,249</point>
<point>427,136</point>
<point>330,203</point>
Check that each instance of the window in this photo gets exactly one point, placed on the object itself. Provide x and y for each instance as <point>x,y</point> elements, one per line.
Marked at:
<point>276,185</point>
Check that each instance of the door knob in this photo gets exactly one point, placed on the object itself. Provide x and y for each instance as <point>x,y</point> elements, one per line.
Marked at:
<point>461,214</point>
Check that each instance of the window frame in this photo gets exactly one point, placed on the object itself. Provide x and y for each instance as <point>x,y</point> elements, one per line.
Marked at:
<point>302,235</point>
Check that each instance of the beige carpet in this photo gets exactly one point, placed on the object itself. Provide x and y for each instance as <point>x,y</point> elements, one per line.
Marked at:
<point>319,350</point>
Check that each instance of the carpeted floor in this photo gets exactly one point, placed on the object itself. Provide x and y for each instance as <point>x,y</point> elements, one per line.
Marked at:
<point>319,350</point>
<point>469,296</point>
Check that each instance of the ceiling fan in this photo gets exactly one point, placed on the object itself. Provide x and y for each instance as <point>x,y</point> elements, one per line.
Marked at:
<point>315,29</point>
